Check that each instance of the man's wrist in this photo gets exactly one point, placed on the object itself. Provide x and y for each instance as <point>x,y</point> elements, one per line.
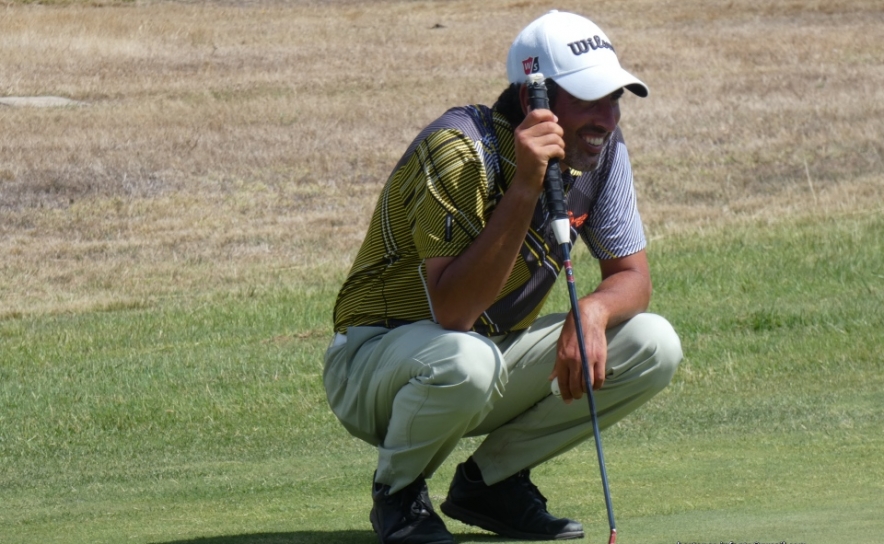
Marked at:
<point>593,312</point>
<point>525,191</point>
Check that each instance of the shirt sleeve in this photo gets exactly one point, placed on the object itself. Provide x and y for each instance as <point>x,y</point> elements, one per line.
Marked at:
<point>613,227</point>
<point>446,194</point>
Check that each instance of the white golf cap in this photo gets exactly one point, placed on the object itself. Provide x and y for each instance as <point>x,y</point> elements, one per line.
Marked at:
<point>573,52</point>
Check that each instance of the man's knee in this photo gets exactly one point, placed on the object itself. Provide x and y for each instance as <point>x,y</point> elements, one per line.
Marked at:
<point>649,344</point>
<point>663,346</point>
<point>469,364</point>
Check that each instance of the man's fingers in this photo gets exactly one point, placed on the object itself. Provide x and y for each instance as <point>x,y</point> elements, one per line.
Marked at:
<point>539,116</point>
<point>546,138</point>
<point>576,381</point>
<point>599,379</point>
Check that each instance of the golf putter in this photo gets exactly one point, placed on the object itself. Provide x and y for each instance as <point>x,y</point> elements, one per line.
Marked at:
<point>558,213</point>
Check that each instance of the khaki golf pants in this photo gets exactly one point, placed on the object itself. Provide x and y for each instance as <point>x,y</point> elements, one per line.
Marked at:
<point>416,390</point>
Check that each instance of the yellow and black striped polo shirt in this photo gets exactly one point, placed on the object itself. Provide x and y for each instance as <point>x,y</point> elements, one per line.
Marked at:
<point>441,195</point>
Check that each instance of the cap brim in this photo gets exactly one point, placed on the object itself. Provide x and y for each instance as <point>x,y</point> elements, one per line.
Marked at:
<point>600,81</point>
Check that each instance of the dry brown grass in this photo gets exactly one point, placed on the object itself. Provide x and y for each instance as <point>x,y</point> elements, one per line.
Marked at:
<point>239,144</point>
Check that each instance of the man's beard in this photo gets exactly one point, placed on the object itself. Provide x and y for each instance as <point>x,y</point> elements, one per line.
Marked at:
<point>581,161</point>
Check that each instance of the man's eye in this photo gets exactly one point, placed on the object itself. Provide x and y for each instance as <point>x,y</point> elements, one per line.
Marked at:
<point>616,95</point>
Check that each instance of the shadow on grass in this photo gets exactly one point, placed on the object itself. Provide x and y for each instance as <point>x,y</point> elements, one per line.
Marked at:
<point>297,537</point>
<point>320,537</point>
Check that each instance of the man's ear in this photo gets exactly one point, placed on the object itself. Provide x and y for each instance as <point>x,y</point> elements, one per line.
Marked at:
<point>523,98</point>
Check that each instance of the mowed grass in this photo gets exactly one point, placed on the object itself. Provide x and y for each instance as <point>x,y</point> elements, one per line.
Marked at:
<point>204,420</point>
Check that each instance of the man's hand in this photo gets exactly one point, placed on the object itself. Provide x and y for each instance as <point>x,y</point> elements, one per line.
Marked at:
<point>569,367</point>
<point>625,291</point>
<point>537,139</point>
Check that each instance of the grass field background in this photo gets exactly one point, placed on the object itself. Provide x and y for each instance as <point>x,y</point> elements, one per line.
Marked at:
<point>171,252</point>
<point>182,422</point>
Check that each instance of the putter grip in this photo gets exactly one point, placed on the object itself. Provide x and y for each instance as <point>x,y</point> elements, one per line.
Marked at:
<point>553,187</point>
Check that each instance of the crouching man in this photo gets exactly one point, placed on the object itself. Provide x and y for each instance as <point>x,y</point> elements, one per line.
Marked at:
<point>439,332</point>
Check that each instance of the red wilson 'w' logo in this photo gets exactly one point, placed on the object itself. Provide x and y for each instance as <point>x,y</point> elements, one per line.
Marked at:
<point>530,65</point>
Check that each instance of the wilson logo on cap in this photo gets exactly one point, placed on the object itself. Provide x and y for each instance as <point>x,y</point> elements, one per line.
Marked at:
<point>583,46</point>
<point>531,65</point>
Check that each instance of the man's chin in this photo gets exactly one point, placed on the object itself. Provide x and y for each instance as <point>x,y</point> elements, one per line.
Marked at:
<point>583,165</point>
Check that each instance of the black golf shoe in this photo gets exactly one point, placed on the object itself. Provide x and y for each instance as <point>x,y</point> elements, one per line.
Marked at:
<point>513,508</point>
<point>407,516</point>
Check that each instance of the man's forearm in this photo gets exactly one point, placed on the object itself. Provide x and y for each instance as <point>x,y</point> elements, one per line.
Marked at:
<point>464,287</point>
<point>625,291</point>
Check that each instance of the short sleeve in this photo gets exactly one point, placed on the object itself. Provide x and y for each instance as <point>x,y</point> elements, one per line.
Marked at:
<point>445,193</point>
<point>613,227</point>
